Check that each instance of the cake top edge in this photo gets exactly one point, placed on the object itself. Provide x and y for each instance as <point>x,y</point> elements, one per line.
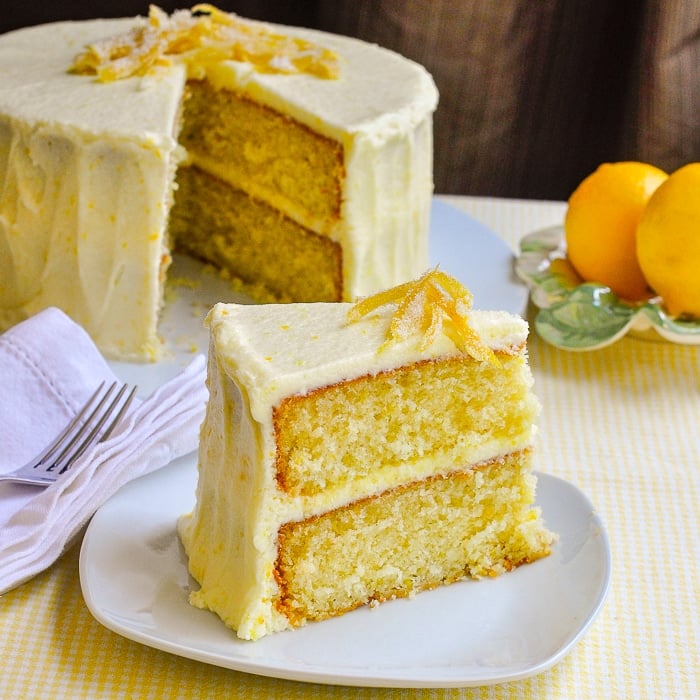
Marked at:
<point>276,350</point>
<point>424,318</point>
<point>362,104</point>
<point>501,331</point>
<point>198,38</point>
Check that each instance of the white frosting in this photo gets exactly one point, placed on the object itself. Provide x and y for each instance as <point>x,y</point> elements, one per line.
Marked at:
<point>258,355</point>
<point>85,177</point>
<point>86,174</point>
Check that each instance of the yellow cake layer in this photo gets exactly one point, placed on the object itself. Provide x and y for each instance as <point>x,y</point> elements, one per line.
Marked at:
<point>471,523</point>
<point>453,411</point>
<point>272,257</point>
<point>268,154</point>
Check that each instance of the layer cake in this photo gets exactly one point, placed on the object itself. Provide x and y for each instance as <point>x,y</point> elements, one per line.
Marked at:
<point>305,180</point>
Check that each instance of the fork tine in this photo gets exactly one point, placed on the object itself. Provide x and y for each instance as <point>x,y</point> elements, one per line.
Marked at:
<point>71,439</point>
<point>95,422</point>
<point>120,413</point>
<point>53,447</point>
<point>75,449</point>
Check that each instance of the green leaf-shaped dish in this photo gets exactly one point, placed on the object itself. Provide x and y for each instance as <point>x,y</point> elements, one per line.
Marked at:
<point>584,316</point>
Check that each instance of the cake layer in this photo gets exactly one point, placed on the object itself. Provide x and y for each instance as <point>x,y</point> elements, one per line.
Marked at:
<point>269,256</point>
<point>455,411</point>
<point>472,523</point>
<point>270,156</point>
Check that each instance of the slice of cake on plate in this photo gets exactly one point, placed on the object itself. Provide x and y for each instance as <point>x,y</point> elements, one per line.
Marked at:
<point>297,161</point>
<point>352,454</point>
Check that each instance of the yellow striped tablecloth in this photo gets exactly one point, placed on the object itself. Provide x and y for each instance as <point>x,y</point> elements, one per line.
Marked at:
<point>622,423</point>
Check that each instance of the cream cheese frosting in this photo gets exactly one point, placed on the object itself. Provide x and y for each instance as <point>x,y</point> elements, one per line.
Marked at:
<point>258,356</point>
<point>87,171</point>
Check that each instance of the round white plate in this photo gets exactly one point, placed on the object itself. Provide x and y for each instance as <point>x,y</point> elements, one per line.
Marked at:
<point>134,573</point>
<point>134,577</point>
<point>458,243</point>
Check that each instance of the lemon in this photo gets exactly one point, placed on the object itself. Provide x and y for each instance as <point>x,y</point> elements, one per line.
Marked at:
<point>668,241</point>
<point>601,225</point>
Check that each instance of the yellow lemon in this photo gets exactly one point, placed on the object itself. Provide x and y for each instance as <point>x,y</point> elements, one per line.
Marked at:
<point>601,225</point>
<point>668,241</point>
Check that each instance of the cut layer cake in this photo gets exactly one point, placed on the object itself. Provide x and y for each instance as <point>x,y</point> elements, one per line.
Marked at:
<point>299,162</point>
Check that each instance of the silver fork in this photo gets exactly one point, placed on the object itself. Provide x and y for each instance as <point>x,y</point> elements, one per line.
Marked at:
<point>90,425</point>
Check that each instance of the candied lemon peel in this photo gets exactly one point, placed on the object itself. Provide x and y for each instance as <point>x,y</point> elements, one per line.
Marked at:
<point>199,37</point>
<point>433,304</point>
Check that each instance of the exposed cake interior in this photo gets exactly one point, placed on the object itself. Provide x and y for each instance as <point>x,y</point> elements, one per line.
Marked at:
<point>437,530</point>
<point>268,255</point>
<point>422,417</point>
<point>261,199</point>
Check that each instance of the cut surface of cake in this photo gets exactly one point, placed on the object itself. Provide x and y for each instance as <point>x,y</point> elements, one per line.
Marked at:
<point>351,455</point>
<point>306,179</point>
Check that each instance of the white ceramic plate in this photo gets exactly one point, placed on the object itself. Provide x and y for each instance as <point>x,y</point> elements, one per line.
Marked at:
<point>134,578</point>
<point>473,254</point>
<point>134,573</point>
<point>461,246</point>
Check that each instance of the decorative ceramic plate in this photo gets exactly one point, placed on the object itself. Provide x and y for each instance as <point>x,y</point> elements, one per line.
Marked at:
<point>583,316</point>
<point>134,578</point>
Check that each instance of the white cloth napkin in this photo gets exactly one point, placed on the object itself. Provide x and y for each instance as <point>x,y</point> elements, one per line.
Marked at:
<point>48,369</point>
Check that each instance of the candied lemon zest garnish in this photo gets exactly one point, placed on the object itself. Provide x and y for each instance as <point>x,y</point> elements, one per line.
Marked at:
<point>199,37</point>
<point>433,304</point>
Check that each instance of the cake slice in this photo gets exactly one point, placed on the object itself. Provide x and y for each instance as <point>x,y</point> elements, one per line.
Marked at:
<point>352,454</point>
